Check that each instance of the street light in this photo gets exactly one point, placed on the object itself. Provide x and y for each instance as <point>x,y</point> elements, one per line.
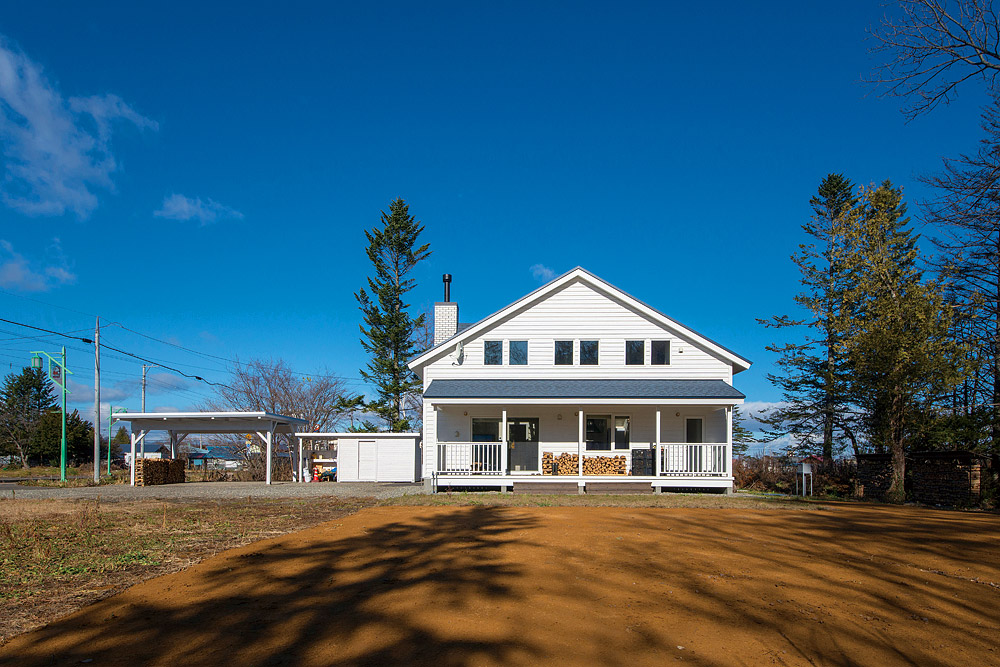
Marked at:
<point>57,373</point>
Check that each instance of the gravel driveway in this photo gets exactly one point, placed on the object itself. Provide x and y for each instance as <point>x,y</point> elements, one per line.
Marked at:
<point>219,490</point>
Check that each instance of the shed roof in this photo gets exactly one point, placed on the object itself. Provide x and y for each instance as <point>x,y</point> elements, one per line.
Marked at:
<point>583,389</point>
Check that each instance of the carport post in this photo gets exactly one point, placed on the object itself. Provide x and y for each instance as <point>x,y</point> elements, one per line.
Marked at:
<point>298,471</point>
<point>132,466</point>
<point>267,440</point>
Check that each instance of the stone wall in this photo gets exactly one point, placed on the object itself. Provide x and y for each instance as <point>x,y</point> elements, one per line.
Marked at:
<point>946,478</point>
<point>874,476</point>
<point>933,478</point>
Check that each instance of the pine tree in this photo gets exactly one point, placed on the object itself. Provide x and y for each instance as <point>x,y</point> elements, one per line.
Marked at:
<point>24,400</point>
<point>893,329</point>
<point>966,214</point>
<point>388,329</point>
<point>742,436</point>
<point>810,379</point>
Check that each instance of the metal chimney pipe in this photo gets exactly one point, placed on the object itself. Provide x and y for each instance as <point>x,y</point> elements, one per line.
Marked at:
<point>446,279</point>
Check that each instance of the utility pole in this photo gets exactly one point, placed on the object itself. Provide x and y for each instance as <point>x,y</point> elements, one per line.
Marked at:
<point>144,369</point>
<point>97,404</point>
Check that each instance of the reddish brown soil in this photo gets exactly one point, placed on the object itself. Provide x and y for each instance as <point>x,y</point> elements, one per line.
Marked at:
<point>846,585</point>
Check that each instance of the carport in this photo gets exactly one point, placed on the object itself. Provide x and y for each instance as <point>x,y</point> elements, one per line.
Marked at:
<point>179,425</point>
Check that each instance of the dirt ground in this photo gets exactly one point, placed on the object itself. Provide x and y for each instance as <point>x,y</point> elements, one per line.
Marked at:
<point>838,585</point>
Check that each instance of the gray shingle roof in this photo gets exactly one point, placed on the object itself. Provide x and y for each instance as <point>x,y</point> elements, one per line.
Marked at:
<point>639,388</point>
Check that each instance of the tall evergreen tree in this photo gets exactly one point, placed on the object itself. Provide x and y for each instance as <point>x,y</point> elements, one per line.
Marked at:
<point>388,329</point>
<point>894,329</point>
<point>966,213</point>
<point>810,378</point>
<point>24,400</point>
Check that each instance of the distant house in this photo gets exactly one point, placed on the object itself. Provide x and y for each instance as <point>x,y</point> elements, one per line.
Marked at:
<point>148,451</point>
<point>214,457</point>
<point>579,383</point>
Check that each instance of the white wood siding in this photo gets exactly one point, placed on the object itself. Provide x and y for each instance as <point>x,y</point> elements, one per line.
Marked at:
<point>579,312</point>
<point>347,460</point>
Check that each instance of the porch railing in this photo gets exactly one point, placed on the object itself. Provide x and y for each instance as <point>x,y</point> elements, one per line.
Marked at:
<point>698,460</point>
<point>471,458</point>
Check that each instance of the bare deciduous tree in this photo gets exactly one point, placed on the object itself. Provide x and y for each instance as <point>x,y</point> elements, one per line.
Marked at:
<point>933,47</point>
<point>269,385</point>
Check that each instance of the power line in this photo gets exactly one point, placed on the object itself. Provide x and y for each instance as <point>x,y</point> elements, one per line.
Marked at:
<point>115,349</point>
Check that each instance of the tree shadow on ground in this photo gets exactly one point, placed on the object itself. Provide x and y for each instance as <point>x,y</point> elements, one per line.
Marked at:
<point>293,602</point>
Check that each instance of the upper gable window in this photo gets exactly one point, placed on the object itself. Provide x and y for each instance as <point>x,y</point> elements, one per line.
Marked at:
<point>660,352</point>
<point>589,353</point>
<point>518,353</point>
<point>493,352</point>
<point>564,353</point>
<point>635,352</point>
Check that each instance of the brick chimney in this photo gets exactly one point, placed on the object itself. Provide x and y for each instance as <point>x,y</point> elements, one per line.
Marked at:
<point>445,314</point>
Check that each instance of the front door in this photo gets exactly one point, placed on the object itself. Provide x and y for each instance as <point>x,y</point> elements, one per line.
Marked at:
<point>522,444</point>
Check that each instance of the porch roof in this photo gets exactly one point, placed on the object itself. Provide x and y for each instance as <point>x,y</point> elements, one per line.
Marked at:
<point>638,389</point>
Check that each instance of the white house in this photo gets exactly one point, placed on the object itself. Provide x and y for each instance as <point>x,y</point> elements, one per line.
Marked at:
<point>578,384</point>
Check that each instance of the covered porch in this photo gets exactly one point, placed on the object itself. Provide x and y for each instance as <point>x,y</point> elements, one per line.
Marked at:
<point>653,443</point>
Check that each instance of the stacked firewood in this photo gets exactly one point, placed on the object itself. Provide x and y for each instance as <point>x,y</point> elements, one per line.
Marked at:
<point>605,465</point>
<point>566,464</point>
<point>547,464</point>
<point>151,472</point>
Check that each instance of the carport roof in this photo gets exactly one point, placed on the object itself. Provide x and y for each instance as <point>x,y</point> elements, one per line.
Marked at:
<point>581,389</point>
<point>211,422</point>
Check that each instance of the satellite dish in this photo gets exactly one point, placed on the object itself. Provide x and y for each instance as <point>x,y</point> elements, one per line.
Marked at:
<point>458,354</point>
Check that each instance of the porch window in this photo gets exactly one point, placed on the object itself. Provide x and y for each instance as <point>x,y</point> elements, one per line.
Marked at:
<point>493,352</point>
<point>660,350</point>
<point>518,352</point>
<point>598,435</point>
<point>564,353</point>
<point>635,352</point>
<point>622,432</point>
<point>485,430</point>
<point>588,352</point>
<point>694,427</point>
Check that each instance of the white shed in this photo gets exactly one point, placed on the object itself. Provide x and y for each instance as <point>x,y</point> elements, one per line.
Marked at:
<point>375,457</point>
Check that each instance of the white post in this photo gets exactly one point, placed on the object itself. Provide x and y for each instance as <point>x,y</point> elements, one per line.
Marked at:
<point>729,440</point>
<point>579,446</point>
<point>657,453</point>
<point>173,443</point>
<point>133,458</point>
<point>267,441</point>
<point>299,474</point>
<point>503,440</point>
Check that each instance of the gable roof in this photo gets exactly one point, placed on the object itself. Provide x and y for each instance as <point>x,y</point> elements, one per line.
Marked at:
<point>580,274</point>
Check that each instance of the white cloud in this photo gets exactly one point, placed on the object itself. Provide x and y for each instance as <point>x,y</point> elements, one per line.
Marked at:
<point>56,152</point>
<point>25,275</point>
<point>179,207</point>
<point>542,272</point>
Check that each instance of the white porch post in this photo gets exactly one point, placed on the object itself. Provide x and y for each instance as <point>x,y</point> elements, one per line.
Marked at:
<point>579,446</point>
<point>657,454</point>
<point>173,444</point>
<point>729,440</point>
<point>132,467</point>
<point>503,440</point>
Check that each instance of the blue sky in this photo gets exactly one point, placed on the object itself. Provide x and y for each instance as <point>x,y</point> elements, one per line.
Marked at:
<point>204,175</point>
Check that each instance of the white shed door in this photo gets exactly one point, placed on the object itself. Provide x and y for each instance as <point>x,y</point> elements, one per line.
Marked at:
<point>367,460</point>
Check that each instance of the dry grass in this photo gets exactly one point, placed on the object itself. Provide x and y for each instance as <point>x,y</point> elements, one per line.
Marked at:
<point>59,555</point>
<point>686,500</point>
